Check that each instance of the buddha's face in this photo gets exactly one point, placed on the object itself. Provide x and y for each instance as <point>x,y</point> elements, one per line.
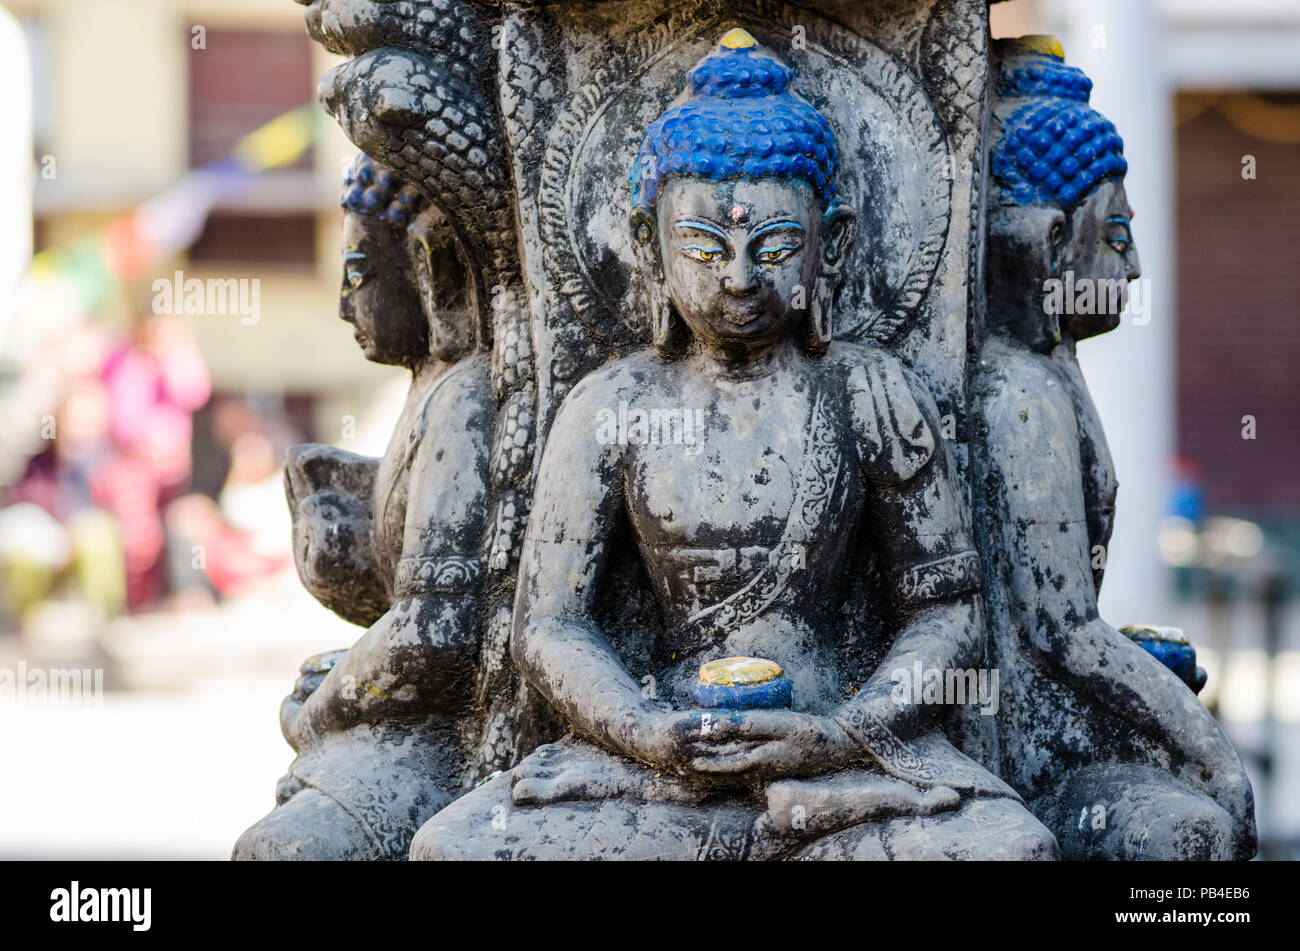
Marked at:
<point>1100,248</point>
<point>379,296</point>
<point>739,258</point>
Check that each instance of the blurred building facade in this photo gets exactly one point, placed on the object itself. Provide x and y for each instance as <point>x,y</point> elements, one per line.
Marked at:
<point>128,95</point>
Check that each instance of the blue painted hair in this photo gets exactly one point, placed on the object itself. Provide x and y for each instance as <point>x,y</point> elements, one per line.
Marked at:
<point>1056,148</point>
<point>377,191</point>
<point>740,122</point>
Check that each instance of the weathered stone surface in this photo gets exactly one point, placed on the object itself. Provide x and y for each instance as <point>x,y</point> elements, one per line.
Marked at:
<point>721,367</point>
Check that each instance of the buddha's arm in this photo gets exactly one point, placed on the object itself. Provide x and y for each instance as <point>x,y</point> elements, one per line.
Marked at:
<point>420,655</point>
<point>556,644</point>
<point>917,511</point>
<point>933,572</point>
<point>1038,507</point>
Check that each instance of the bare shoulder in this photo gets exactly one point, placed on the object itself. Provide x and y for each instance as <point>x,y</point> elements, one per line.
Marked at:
<point>468,379</point>
<point>633,377</point>
<point>1019,395</point>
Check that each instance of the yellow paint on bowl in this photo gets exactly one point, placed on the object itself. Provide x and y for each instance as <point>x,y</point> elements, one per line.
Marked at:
<point>739,671</point>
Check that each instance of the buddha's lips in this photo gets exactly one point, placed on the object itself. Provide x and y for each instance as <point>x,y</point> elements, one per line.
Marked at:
<point>741,315</point>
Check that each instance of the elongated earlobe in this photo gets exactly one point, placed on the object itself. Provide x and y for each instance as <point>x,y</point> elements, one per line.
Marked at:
<point>1056,238</point>
<point>821,329</point>
<point>664,325</point>
<point>456,324</point>
<point>839,228</point>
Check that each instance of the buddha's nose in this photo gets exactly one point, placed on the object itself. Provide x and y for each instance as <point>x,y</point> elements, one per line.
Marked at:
<point>738,279</point>
<point>1133,266</point>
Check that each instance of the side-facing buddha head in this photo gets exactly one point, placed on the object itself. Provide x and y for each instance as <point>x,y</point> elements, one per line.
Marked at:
<point>1058,210</point>
<point>405,282</point>
<point>735,220</point>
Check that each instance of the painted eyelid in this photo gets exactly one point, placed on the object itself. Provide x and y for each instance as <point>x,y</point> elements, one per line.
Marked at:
<point>777,226</point>
<point>702,226</point>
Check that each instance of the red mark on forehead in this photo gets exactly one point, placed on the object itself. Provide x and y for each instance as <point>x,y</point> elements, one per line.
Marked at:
<point>738,213</point>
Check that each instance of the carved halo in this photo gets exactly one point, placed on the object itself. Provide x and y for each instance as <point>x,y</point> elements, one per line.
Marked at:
<point>895,168</point>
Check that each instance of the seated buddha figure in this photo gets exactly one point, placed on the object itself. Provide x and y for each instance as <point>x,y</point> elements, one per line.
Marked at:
<point>378,728</point>
<point>751,732</point>
<point>1112,750</point>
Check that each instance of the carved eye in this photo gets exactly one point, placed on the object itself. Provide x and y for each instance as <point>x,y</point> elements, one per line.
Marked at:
<point>773,255</point>
<point>1119,236</point>
<point>707,253</point>
<point>355,279</point>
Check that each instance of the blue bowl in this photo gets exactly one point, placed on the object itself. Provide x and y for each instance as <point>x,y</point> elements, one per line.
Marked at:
<point>771,694</point>
<point>1171,647</point>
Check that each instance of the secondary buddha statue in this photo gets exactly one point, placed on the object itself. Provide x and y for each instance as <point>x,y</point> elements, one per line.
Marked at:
<point>811,454</point>
<point>1113,752</point>
<point>380,730</point>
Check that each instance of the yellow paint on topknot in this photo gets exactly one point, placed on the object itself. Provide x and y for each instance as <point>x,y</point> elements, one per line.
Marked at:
<point>738,39</point>
<point>1042,43</point>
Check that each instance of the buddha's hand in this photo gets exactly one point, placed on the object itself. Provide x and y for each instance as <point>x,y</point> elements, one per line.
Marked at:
<point>313,670</point>
<point>329,493</point>
<point>670,741</point>
<point>768,744</point>
<point>290,708</point>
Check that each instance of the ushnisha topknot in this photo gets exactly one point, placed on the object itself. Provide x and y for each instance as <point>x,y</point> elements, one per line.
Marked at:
<point>1035,66</point>
<point>741,121</point>
<point>1055,148</point>
<point>375,190</point>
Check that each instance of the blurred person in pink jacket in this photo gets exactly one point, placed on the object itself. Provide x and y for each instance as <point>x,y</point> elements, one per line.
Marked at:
<point>154,383</point>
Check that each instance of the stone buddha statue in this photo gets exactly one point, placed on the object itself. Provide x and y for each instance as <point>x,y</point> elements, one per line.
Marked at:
<point>746,724</point>
<point>1112,750</point>
<point>393,543</point>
